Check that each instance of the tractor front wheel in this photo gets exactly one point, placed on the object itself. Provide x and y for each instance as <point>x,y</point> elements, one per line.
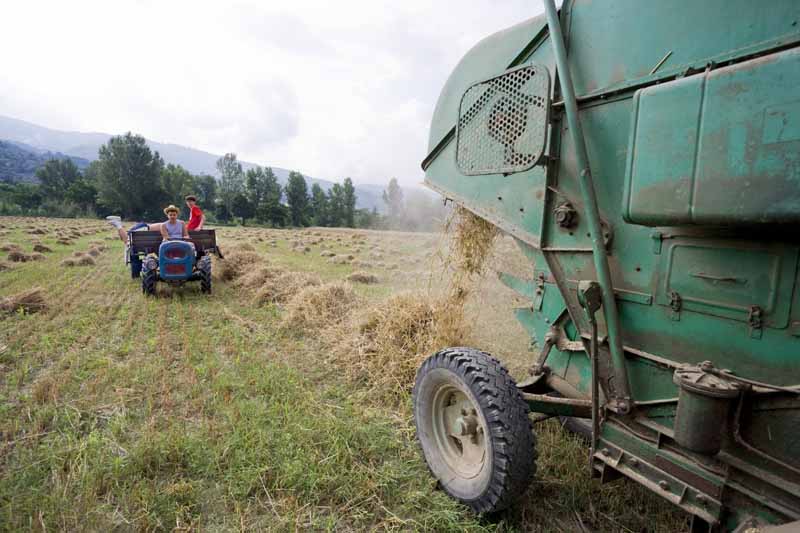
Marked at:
<point>149,276</point>
<point>204,267</point>
<point>473,427</point>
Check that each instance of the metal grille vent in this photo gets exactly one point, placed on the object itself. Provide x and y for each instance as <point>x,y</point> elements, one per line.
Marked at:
<point>502,122</point>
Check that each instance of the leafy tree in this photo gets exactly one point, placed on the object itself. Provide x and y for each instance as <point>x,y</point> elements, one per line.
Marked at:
<point>26,195</point>
<point>364,218</point>
<point>221,212</point>
<point>231,179</point>
<point>129,177</point>
<point>349,203</point>
<point>393,198</point>
<point>205,188</point>
<point>242,207</point>
<point>177,183</point>
<point>270,209</point>
<point>319,206</point>
<point>336,206</point>
<point>297,198</point>
<point>82,193</point>
<point>254,184</point>
<point>56,176</point>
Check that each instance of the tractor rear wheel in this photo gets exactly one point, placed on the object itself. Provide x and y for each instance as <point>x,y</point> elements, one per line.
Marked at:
<point>473,427</point>
<point>204,267</point>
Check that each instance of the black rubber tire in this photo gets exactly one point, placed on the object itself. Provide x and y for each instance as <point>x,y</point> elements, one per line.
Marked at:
<point>136,266</point>
<point>149,277</point>
<point>204,267</point>
<point>509,439</point>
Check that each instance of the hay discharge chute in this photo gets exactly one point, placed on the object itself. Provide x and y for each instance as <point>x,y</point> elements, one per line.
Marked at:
<point>647,162</point>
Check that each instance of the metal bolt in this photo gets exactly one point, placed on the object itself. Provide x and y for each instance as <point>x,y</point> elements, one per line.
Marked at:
<point>565,215</point>
<point>635,463</point>
<point>663,485</point>
<point>605,451</point>
<point>701,499</point>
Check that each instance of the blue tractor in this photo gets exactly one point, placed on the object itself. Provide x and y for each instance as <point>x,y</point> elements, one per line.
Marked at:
<point>175,261</point>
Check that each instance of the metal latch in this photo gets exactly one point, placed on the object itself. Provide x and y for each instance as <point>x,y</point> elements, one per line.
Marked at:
<point>675,303</point>
<point>755,318</point>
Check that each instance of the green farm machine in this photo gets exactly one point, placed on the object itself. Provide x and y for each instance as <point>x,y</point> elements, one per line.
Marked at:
<point>645,156</point>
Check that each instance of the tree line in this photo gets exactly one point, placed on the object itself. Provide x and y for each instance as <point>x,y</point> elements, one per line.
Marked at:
<point>131,180</point>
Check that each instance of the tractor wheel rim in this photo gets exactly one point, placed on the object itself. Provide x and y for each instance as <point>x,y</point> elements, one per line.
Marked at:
<point>459,431</point>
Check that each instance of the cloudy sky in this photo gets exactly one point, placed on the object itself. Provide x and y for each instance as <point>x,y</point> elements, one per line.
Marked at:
<point>333,89</point>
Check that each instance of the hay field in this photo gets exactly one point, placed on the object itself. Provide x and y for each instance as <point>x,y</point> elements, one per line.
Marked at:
<point>279,402</point>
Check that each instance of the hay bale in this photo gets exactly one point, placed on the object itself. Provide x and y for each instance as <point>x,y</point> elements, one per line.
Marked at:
<point>319,306</point>
<point>362,277</point>
<point>42,248</point>
<point>94,251</point>
<point>5,266</point>
<point>36,256</point>
<point>30,301</point>
<point>247,247</point>
<point>64,242</point>
<point>10,247</point>
<point>327,253</point>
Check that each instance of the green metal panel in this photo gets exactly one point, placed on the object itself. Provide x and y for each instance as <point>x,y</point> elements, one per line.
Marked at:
<point>614,42</point>
<point>721,147</point>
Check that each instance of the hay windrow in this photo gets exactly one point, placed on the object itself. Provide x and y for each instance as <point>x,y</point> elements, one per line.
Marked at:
<point>78,260</point>
<point>235,264</point>
<point>319,307</point>
<point>284,286</point>
<point>30,301</point>
<point>362,277</point>
<point>386,344</point>
<point>42,248</point>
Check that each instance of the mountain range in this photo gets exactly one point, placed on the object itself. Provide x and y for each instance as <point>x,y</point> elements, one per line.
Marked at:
<point>41,143</point>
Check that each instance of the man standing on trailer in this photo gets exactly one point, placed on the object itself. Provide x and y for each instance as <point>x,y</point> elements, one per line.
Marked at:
<point>196,217</point>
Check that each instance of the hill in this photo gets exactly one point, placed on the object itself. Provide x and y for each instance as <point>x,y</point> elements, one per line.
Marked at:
<point>18,161</point>
<point>84,145</point>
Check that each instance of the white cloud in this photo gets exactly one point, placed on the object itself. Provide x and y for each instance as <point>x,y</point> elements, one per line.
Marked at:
<point>333,89</point>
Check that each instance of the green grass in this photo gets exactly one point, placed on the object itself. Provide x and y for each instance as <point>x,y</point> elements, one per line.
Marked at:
<point>185,411</point>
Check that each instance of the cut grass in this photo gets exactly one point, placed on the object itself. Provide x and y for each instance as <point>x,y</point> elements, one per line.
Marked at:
<point>201,412</point>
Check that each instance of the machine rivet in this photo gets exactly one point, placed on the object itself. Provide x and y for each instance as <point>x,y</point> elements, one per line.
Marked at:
<point>663,485</point>
<point>701,499</point>
<point>605,451</point>
<point>635,463</point>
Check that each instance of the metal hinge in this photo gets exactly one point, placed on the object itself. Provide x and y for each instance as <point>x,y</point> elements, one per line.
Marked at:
<point>755,318</point>
<point>675,303</point>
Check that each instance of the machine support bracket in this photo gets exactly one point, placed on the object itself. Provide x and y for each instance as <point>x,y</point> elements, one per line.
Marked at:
<point>621,403</point>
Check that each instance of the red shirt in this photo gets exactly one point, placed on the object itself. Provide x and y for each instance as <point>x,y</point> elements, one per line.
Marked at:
<point>194,218</point>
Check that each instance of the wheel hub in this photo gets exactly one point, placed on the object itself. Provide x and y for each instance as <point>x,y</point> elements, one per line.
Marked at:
<point>459,432</point>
